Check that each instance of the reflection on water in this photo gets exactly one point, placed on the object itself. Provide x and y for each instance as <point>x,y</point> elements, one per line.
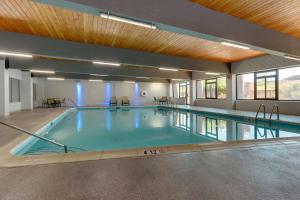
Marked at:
<point>108,129</point>
<point>219,129</point>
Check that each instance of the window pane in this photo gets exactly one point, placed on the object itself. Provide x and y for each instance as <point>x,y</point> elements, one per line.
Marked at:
<point>245,86</point>
<point>211,90</point>
<point>200,89</point>
<point>260,88</point>
<point>289,84</point>
<point>269,73</point>
<point>14,90</point>
<point>221,88</point>
<point>271,88</point>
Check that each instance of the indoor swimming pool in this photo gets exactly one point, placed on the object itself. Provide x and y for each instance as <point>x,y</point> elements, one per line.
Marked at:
<point>129,128</point>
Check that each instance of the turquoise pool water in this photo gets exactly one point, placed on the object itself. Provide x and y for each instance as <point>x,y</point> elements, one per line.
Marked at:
<point>125,128</point>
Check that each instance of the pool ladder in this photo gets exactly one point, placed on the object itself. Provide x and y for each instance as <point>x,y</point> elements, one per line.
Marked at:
<point>36,136</point>
<point>275,108</point>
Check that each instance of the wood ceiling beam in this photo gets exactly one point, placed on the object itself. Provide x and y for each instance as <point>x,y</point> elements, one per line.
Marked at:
<point>186,17</point>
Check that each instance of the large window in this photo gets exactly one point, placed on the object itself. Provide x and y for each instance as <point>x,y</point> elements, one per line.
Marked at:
<point>14,90</point>
<point>211,88</point>
<point>281,84</point>
<point>245,86</point>
<point>266,85</point>
<point>289,84</point>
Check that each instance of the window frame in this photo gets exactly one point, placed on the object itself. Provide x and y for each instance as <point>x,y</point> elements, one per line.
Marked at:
<point>277,85</point>
<point>205,90</point>
<point>215,82</point>
<point>11,79</point>
<point>265,79</point>
<point>187,85</point>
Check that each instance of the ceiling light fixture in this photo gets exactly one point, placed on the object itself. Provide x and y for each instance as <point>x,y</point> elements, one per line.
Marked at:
<point>128,21</point>
<point>292,58</point>
<point>168,69</point>
<point>212,73</point>
<point>98,74</point>
<point>94,80</point>
<point>106,63</point>
<point>235,45</point>
<point>143,77</point>
<point>55,79</point>
<point>42,71</point>
<point>15,54</point>
<point>128,81</point>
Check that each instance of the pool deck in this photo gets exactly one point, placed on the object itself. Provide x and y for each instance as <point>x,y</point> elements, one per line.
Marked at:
<point>258,171</point>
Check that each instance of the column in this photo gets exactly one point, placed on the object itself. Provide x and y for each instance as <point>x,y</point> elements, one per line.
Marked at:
<point>26,91</point>
<point>4,89</point>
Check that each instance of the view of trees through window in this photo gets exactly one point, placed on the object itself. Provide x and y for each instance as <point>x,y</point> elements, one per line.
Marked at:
<point>211,88</point>
<point>289,84</point>
<point>266,85</point>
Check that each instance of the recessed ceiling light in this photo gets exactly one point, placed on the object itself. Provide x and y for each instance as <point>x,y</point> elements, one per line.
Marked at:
<point>15,54</point>
<point>94,80</point>
<point>106,63</point>
<point>42,71</point>
<point>212,73</point>
<point>55,79</point>
<point>168,69</point>
<point>98,74</point>
<point>143,77</point>
<point>292,58</point>
<point>175,79</point>
<point>235,45</point>
<point>129,21</point>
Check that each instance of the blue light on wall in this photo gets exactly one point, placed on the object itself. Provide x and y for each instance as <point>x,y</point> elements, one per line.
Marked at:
<point>107,93</point>
<point>79,121</point>
<point>79,93</point>
<point>136,98</point>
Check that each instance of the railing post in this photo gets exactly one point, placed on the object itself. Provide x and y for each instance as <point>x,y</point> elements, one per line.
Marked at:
<point>66,149</point>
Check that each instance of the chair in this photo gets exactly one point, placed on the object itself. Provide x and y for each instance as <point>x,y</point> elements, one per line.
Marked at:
<point>63,101</point>
<point>163,100</point>
<point>50,103</point>
<point>125,101</point>
<point>113,101</point>
<point>155,100</point>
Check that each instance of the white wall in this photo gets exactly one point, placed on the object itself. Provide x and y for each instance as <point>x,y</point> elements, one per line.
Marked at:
<point>94,93</point>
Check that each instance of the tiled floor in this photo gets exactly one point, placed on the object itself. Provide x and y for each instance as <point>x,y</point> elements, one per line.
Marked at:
<point>252,172</point>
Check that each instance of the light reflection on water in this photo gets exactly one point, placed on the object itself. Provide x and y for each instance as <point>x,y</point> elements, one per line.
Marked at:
<point>106,129</point>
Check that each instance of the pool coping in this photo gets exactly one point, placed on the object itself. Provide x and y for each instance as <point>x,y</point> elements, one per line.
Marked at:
<point>9,160</point>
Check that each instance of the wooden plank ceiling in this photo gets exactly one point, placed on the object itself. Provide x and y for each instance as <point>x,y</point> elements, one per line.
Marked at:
<point>279,15</point>
<point>34,18</point>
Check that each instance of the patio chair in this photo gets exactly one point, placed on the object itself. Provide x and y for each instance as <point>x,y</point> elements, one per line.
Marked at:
<point>113,101</point>
<point>163,100</point>
<point>125,101</point>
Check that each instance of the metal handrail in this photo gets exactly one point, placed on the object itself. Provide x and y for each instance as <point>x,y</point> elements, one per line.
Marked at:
<point>277,109</point>
<point>264,107</point>
<point>71,100</point>
<point>39,137</point>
